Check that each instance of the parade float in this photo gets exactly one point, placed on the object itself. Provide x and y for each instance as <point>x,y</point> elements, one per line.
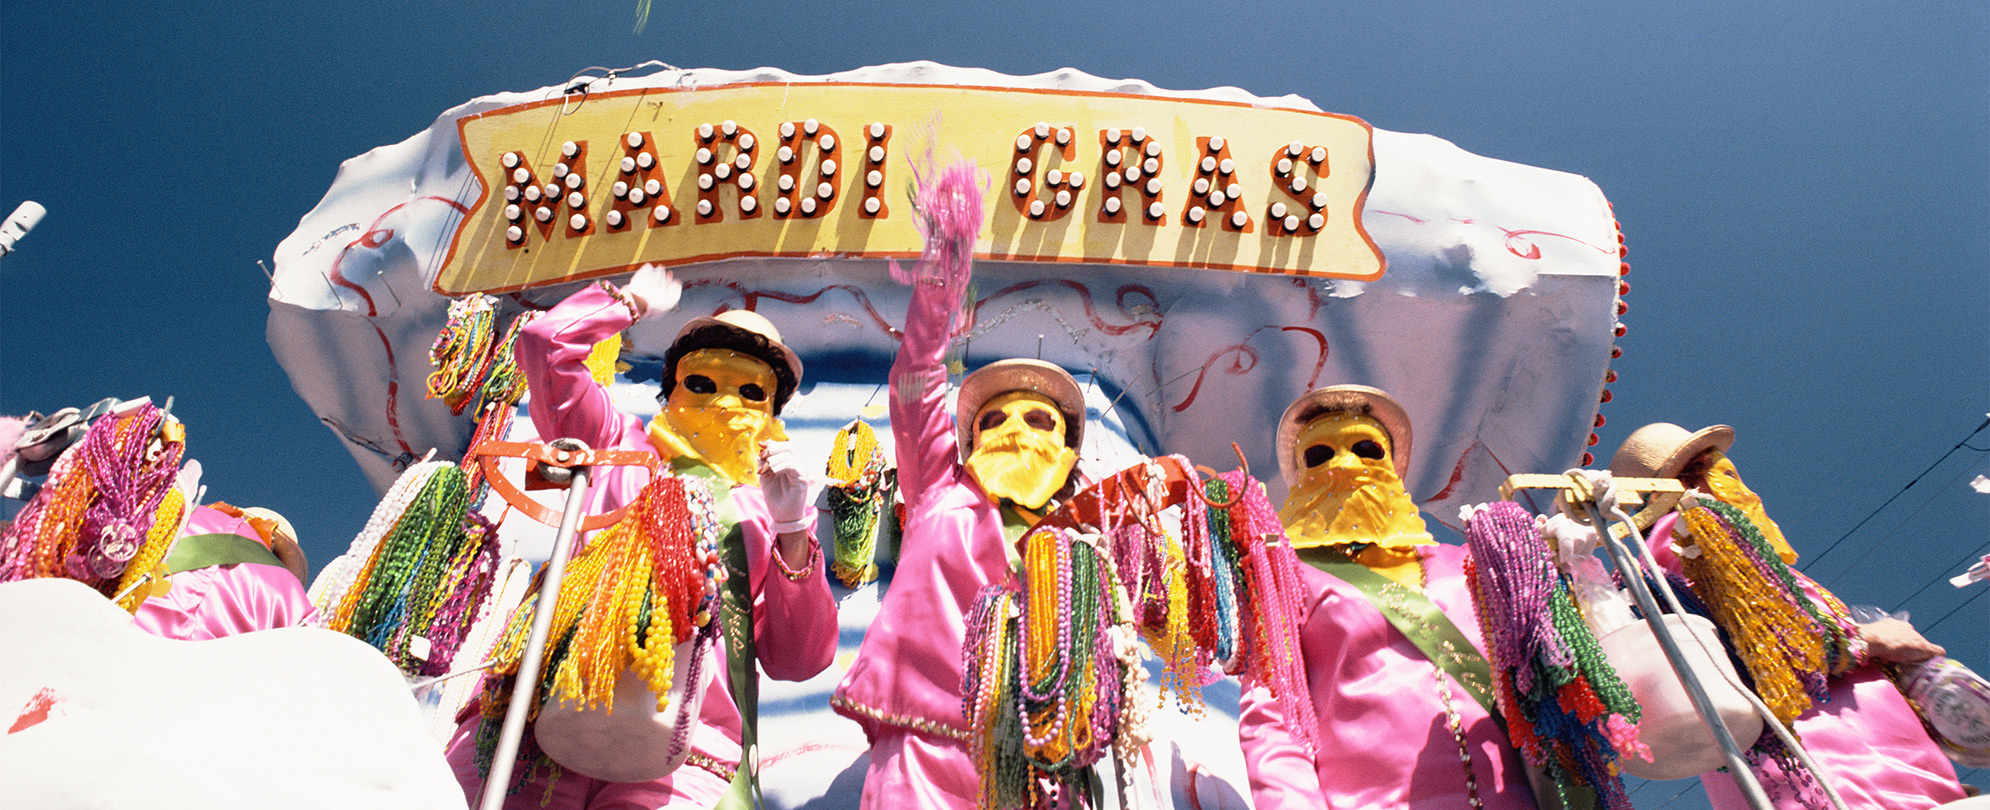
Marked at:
<point>1195,258</point>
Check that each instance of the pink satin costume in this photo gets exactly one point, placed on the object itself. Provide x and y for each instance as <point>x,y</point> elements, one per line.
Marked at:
<point>904,687</point>
<point>1385,737</point>
<point>1866,739</point>
<point>794,620</point>
<point>224,600</point>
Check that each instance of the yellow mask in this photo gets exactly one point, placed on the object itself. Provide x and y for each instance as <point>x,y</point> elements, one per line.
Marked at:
<point>1019,451</point>
<point>1347,490</point>
<point>720,411</point>
<point>1716,474</point>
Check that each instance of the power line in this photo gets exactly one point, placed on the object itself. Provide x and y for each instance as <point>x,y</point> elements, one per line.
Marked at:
<point>1965,603</point>
<point>1876,544</point>
<point>1964,442</point>
<point>1967,559</point>
<point>1675,796</point>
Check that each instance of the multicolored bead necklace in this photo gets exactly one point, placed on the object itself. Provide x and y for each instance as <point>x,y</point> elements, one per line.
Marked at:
<point>1053,666</point>
<point>1787,644</point>
<point>1564,706</point>
<point>462,352</point>
<point>100,509</point>
<point>640,588</point>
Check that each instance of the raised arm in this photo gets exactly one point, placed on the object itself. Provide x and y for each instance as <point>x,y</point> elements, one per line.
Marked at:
<point>922,430</point>
<point>566,402</point>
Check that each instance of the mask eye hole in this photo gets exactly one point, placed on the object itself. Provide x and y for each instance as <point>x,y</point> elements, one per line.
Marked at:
<point>752,392</point>
<point>1318,455</point>
<point>1040,419</point>
<point>700,384</point>
<point>1368,449</point>
<point>990,420</point>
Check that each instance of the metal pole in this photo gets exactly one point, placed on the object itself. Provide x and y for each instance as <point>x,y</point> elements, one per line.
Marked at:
<point>525,689</point>
<point>1744,779</point>
<point>13,466</point>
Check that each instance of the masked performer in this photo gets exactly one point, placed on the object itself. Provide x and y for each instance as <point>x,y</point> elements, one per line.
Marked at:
<point>973,481</point>
<point>233,571</point>
<point>1865,737</point>
<point>725,381</point>
<point>1399,726</point>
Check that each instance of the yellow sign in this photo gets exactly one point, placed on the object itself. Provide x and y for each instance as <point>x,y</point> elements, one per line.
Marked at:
<point>577,188</point>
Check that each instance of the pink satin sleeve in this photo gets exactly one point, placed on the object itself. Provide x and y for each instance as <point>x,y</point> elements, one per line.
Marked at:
<point>225,600</point>
<point>1866,738</point>
<point>1282,773</point>
<point>1869,744</point>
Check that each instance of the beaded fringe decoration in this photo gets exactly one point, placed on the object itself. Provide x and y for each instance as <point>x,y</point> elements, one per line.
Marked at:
<point>856,495</point>
<point>1564,706</point>
<point>641,587</point>
<point>99,510</point>
<point>1053,672</point>
<point>1787,644</point>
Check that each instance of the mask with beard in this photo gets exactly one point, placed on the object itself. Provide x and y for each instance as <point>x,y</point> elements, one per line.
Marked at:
<point>1019,451</point>
<point>720,411</point>
<point>1347,490</point>
<point>1714,472</point>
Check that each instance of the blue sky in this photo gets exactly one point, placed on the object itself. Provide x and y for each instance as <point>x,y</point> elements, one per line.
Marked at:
<point>1805,192</point>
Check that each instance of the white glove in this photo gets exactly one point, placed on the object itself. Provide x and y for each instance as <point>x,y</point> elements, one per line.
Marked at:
<point>790,493</point>
<point>654,290</point>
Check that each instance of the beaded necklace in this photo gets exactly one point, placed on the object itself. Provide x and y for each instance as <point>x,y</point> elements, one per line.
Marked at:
<point>1052,670</point>
<point>1776,631</point>
<point>462,352</point>
<point>505,384</point>
<point>856,500</point>
<point>408,564</point>
<point>1564,706</point>
<point>639,588</point>
<point>330,591</point>
<point>50,520</point>
<point>472,575</point>
<point>146,565</point>
<point>131,476</point>
<point>101,503</point>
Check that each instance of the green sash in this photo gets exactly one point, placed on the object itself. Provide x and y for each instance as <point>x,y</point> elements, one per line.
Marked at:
<point>1419,620</point>
<point>742,666</point>
<point>209,550</point>
<point>742,660</point>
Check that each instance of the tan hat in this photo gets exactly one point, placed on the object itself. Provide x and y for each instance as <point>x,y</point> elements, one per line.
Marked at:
<point>1382,407</point>
<point>281,537</point>
<point>1662,449</point>
<point>1003,376</point>
<point>746,320</point>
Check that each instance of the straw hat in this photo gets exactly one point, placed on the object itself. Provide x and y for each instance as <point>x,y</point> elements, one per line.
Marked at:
<point>746,320</point>
<point>1004,376</point>
<point>1662,449</point>
<point>1382,407</point>
<point>281,537</point>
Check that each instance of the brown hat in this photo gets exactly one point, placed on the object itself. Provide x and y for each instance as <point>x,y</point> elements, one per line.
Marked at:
<point>1004,376</point>
<point>1662,449</point>
<point>746,320</point>
<point>1378,404</point>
